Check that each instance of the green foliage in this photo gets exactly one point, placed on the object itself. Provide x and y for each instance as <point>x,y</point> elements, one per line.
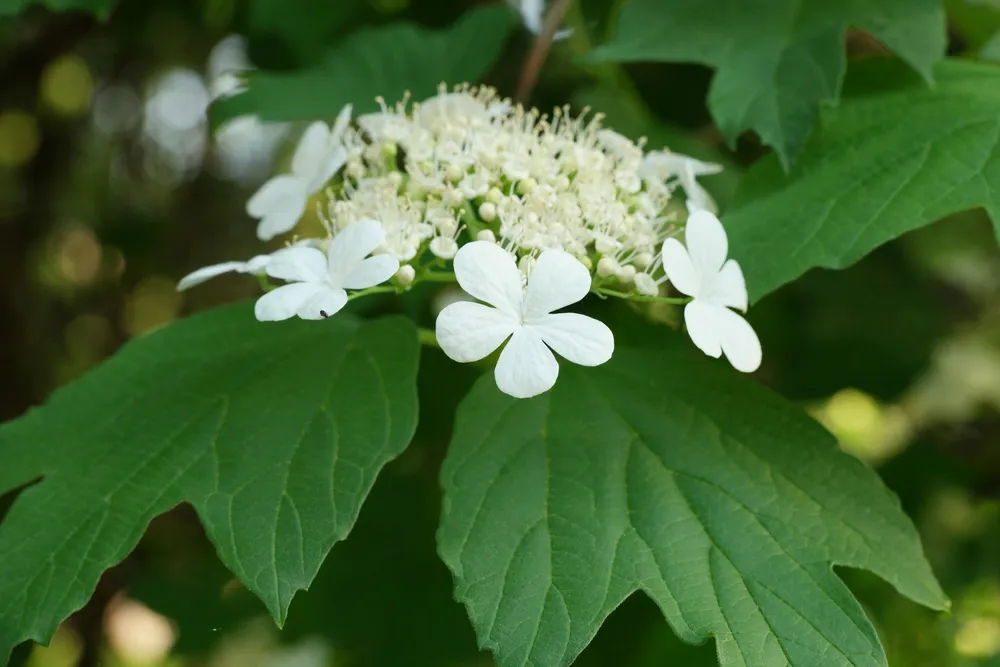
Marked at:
<point>274,433</point>
<point>835,331</point>
<point>385,61</point>
<point>777,60</point>
<point>301,27</point>
<point>383,597</point>
<point>666,473</point>
<point>102,8</point>
<point>893,157</point>
<point>662,472</point>
<point>991,49</point>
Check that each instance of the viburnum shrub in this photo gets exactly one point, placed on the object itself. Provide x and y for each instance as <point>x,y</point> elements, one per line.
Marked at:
<point>611,433</point>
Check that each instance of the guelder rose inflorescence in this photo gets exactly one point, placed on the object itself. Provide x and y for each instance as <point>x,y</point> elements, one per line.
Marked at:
<point>527,212</point>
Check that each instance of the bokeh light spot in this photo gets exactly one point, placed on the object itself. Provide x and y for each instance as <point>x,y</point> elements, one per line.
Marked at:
<point>137,633</point>
<point>978,637</point>
<point>18,138</point>
<point>67,85</point>
<point>80,255</point>
<point>153,303</point>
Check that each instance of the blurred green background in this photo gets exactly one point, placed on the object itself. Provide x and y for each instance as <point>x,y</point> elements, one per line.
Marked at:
<point>112,187</point>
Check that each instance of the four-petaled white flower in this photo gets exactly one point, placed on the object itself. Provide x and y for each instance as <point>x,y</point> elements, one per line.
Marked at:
<point>318,282</point>
<point>664,165</point>
<point>281,201</point>
<point>702,271</point>
<point>471,331</point>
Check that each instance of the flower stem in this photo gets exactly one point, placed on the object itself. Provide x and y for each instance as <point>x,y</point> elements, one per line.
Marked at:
<point>471,219</point>
<point>265,284</point>
<point>371,290</point>
<point>427,337</point>
<point>437,277</point>
<point>642,297</point>
<point>540,51</point>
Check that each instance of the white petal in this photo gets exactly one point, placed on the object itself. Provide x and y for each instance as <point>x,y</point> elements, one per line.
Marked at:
<point>703,327</point>
<point>488,272</point>
<point>557,280</point>
<point>706,242</point>
<point>285,301</point>
<point>299,264</point>
<point>578,338</point>
<point>372,271</point>
<point>698,198</point>
<point>715,330</point>
<point>677,265</point>
<point>312,151</point>
<point>665,164</point>
<point>324,303</point>
<point>526,366</point>
<point>727,287</point>
<point>694,167</point>
<point>470,331</point>
<point>350,246</point>
<point>740,343</point>
<point>531,14</point>
<point>207,273</point>
<point>278,204</point>
<point>335,158</point>
<point>256,264</point>
<point>340,125</point>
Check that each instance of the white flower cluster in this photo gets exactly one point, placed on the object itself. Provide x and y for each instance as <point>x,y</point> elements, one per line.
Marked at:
<point>528,213</point>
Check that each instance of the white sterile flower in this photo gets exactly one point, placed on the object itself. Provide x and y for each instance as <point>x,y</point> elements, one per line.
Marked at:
<point>702,271</point>
<point>664,165</point>
<point>471,331</point>
<point>256,266</point>
<point>533,15</point>
<point>317,282</point>
<point>281,201</point>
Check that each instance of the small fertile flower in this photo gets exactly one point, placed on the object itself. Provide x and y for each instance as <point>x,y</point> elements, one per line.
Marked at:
<point>664,165</point>
<point>470,331</point>
<point>281,201</point>
<point>317,282</point>
<point>716,284</point>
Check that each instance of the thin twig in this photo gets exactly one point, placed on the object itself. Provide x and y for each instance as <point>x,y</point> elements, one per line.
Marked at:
<point>540,51</point>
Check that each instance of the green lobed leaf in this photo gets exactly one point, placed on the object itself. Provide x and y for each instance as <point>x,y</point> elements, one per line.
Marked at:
<point>972,23</point>
<point>301,28</point>
<point>777,60</point>
<point>383,597</point>
<point>991,49</point>
<point>386,61</point>
<point>102,8</point>
<point>893,157</point>
<point>273,432</point>
<point>665,472</point>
